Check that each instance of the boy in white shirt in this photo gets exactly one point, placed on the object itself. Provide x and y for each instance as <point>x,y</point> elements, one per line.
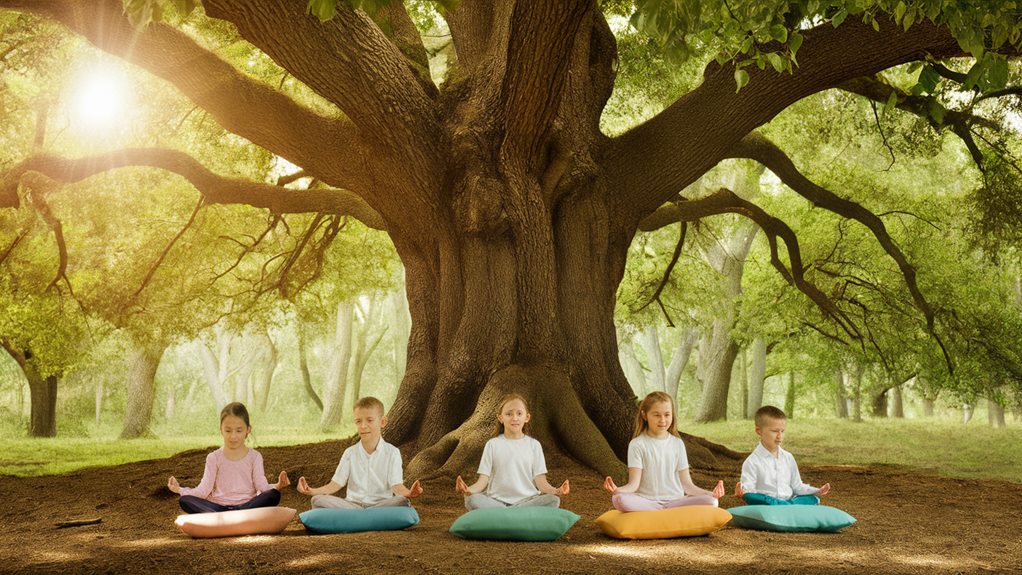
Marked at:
<point>371,468</point>
<point>770,475</point>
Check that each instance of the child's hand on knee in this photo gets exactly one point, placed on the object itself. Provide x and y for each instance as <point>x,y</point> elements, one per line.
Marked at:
<point>609,484</point>
<point>415,490</point>
<point>282,481</point>
<point>739,492</point>
<point>303,486</point>
<point>173,485</point>
<point>824,490</point>
<point>461,487</point>
<point>563,489</point>
<point>718,490</point>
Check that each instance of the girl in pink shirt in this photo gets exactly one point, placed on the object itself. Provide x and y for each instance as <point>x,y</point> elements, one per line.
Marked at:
<point>234,476</point>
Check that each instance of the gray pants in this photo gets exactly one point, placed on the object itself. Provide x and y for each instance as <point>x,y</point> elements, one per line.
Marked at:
<point>334,502</point>
<point>483,501</point>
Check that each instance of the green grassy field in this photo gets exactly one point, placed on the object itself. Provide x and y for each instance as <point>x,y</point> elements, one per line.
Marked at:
<point>937,446</point>
<point>943,447</point>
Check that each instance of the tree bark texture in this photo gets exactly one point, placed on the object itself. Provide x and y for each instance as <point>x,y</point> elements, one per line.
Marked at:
<point>898,404</point>
<point>337,377</point>
<point>679,360</point>
<point>143,361</point>
<point>511,211</point>
<point>757,374</point>
<point>650,341</point>
<point>42,392</point>
<point>840,397</point>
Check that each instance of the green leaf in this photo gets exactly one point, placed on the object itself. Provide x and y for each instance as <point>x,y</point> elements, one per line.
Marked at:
<point>998,74</point>
<point>839,18</point>
<point>876,25</point>
<point>741,79</point>
<point>779,32</point>
<point>794,42</point>
<point>322,9</point>
<point>928,79</point>
<point>937,112</point>
<point>910,17</point>
<point>777,61</point>
<point>892,101</point>
<point>899,11</point>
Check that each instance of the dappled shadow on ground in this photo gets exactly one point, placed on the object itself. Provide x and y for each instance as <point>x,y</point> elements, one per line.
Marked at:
<point>908,523</point>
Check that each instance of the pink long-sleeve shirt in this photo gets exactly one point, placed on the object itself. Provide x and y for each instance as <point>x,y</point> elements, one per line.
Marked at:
<point>227,482</point>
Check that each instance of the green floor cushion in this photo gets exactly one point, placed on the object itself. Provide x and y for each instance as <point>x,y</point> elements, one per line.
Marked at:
<point>256,521</point>
<point>816,518</point>
<point>355,520</point>
<point>514,523</point>
<point>684,521</point>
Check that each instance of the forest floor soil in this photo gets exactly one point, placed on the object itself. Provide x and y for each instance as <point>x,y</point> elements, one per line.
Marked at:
<point>908,522</point>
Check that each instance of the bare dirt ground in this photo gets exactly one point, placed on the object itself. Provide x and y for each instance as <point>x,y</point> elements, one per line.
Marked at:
<point>908,523</point>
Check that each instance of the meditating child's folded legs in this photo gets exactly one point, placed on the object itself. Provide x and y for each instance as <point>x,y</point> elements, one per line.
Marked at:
<point>761,499</point>
<point>626,502</point>
<point>396,501</point>
<point>481,501</point>
<point>269,498</point>
<point>193,504</point>
<point>541,500</point>
<point>333,502</point>
<point>693,500</point>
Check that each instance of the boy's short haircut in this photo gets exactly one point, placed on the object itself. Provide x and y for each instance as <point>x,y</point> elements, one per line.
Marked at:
<point>369,402</point>
<point>768,411</point>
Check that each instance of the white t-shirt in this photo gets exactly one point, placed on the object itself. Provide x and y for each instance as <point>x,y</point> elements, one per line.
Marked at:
<point>774,476</point>
<point>660,461</point>
<point>369,477</point>
<point>512,465</point>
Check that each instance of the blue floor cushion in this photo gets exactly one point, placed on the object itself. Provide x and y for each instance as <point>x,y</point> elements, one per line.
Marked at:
<point>355,520</point>
<point>515,523</point>
<point>684,521</point>
<point>816,518</point>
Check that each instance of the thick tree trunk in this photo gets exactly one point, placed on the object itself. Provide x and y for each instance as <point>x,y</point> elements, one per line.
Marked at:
<point>42,392</point>
<point>757,375</point>
<point>928,405</point>
<point>143,361</point>
<point>898,405</point>
<point>337,378</point>
<point>789,397</point>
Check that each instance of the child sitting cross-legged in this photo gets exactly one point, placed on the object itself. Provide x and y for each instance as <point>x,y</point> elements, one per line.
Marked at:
<point>658,474</point>
<point>371,469</point>
<point>512,471</point>
<point>770,475</point>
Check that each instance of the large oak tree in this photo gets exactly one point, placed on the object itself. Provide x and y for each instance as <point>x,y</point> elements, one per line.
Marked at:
<point>509,208</point>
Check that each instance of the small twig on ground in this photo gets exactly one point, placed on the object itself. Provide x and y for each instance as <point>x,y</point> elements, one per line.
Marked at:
<point>78,522</point>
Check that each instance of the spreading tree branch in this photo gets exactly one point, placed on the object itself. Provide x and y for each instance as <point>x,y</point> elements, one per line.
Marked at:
<point>163,255</point>
<point>702,126</point>
<point>215,189</point>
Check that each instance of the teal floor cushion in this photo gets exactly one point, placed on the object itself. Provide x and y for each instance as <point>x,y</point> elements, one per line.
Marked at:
<point>816,518</point>
<point>514,523</point>
<point>355,520</point>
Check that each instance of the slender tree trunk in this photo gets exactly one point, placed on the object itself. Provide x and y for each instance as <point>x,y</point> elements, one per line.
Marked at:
<point>927,407</point>
<point>966,413</point>
<point>840,401</point>
<point>367,343</point>
<point>337,379</point>
<point>168,409</point>
<point>721,358</point>
<point>633,369</point>
<point>995,413</point>
<point>99,401</point>
<point>401,326</point>
<point>743,379</point>
<point>649,339</point>
<point>263,374</point>
<point>789,397</point>
<point>880,404</point>
<point>42,392</point>
<point>898,405</point>
<point>144,360</point>
<point>303,362</point>
<point>757,375</point>
<point>679,361</point>
<point>856,376</point>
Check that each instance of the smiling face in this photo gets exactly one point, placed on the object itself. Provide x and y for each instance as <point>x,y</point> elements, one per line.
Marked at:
<point>513,416</point>
<point>771,433</point>
<point>369,422</point>
<point>659,418</point>
<point>235,431</point>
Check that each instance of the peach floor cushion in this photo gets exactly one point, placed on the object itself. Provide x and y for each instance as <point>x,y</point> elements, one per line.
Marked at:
<point>685,521</point>
<point>240,522</point>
